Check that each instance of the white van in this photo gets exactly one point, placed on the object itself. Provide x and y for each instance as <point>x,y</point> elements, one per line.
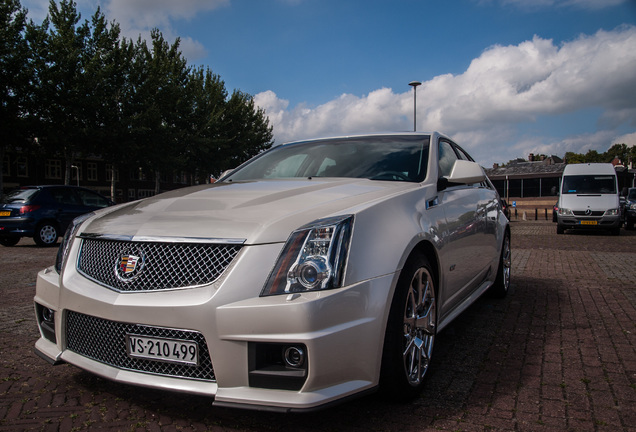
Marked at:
<point>589,198</point>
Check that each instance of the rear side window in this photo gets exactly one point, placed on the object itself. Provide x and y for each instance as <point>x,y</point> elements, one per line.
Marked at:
<point>21,195</point>
<point>64,196</point>
<point>589,184</point>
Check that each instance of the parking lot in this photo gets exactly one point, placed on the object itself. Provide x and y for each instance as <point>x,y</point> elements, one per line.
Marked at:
<point>559,353</point>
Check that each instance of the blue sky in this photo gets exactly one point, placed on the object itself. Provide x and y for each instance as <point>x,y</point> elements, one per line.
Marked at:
<point>503,77</point>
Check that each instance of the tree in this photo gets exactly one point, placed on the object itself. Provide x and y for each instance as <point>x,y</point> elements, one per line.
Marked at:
<point>206,94</point>
<point>61,105</point>
<point>15,75</point>
<point>162,117</point>
<point>246,131</point>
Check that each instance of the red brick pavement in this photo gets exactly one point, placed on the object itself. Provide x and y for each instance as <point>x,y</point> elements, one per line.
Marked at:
<point>558,354</point>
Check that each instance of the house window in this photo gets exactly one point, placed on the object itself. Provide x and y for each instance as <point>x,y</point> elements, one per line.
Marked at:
<point>91,171</point>
<point>137,174</point>
<point>22,167</point>
<point>53,169</point>
<point>145,193</point>
<point>109,173</point>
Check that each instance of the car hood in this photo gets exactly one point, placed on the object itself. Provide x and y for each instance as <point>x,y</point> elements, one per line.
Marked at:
<point>263,211</point>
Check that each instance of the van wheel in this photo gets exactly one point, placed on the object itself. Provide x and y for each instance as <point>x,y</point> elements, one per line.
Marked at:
<point>411,331</point>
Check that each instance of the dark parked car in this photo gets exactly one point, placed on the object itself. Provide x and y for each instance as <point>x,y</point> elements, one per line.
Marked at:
<point>44,212</point>
<point>505,208</point>
<point>629,210</point>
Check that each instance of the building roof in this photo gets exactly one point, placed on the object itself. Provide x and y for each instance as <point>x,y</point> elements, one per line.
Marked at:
<point>550,167</point>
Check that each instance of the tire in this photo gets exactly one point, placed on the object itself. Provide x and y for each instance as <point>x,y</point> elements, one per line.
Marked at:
<point>560,229</point>
<point>410,332</point>
<point>9,241</point>
<point>46,234</point>
<point>501,286</point>
<point>616,231</point>
<point>629,225</point>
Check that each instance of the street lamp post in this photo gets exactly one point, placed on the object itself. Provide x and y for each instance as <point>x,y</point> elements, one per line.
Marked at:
<point>76,168</point>
<point>414,84</point>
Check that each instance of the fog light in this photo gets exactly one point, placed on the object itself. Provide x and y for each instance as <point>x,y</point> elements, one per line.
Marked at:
<point>46,321</point>
<point>294,356</point>
<point>48,315</point>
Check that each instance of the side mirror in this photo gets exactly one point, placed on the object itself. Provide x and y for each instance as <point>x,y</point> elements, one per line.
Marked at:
<point>225,173</point>
<point>466,172</point>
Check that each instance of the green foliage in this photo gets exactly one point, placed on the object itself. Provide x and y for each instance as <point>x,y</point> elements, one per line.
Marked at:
<point>620,151</point>
<point>85,90</point>
<point>14,77</point>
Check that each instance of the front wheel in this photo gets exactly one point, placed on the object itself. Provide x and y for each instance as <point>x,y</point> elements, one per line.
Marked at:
<point>411,330</point>
<point>502,282</point>
<point>46,234</point>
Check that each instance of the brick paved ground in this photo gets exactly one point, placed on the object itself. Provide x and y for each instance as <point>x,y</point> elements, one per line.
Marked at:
<point>559,353</point>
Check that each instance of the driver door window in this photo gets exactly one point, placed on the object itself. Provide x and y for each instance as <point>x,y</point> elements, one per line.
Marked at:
<point>447,158</point>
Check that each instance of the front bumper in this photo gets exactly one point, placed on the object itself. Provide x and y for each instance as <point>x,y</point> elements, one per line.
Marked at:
<point>574,222</point>
<point>342,331</point>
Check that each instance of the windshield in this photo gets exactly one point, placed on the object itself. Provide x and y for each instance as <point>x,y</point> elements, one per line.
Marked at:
<point>393,158</point>
<point>632,194</point>
<point>589,184</point>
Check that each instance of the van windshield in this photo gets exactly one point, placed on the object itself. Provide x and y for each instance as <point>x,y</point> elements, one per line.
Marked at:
<point>589,184</point>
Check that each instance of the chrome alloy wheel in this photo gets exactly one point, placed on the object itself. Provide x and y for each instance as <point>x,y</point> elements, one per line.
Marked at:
<point>46,235</point>
<point>506,263</point>
<point>419,326</point>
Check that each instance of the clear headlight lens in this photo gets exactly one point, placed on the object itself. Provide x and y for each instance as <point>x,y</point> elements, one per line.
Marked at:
<point>313,258</point>
<point>62,252</point>
<point>611,212</point>
<point>565,212</point>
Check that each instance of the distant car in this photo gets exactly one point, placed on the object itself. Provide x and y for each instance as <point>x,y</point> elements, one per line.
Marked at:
<point>505,208</point>
<point>44,212</point>
<point>317,271</point>
<point>630,209</point>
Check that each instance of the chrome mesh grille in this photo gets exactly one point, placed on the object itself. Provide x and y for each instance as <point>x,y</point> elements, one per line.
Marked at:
<point>105,341</point>
<point>595,213</point>
<point>160,266</point>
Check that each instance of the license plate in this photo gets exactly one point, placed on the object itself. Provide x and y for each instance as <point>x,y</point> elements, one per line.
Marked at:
<point>160,349</point>
<point>5,213</point>
<point>588,222</point>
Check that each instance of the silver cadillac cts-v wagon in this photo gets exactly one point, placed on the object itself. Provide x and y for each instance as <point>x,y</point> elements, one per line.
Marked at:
<point>317,271</point>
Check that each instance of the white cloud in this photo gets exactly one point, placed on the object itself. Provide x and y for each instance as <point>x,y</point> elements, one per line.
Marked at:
<point>503,88</point>
<point>157,13</point>
<point>628,139</point>
<point>138,17</point>
<point>580,4</point>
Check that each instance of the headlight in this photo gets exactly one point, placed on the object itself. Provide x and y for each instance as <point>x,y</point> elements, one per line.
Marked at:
<point>611,212</point>
<point>62,252</point>
<point>313,258</point>
<point>565,212</point>
<point>632,206</point>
